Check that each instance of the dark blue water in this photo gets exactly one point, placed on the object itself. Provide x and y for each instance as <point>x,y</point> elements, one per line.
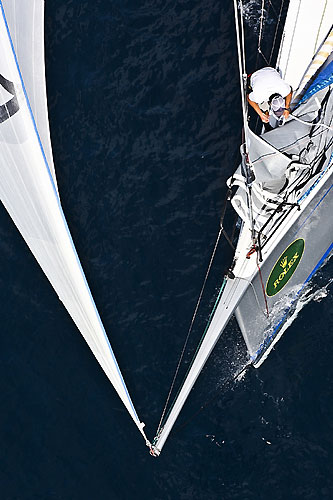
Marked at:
<point>145,123</point>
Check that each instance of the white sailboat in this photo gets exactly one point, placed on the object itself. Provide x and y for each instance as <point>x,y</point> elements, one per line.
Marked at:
<point>282,192</point>
<point>283,195</point>
<point>28,186</point>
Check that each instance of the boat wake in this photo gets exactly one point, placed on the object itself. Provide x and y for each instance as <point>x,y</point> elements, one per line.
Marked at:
<point>232,360</point>
<point>293,303</point>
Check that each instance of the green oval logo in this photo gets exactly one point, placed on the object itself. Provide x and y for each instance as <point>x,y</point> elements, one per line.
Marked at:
<point>285,267</point>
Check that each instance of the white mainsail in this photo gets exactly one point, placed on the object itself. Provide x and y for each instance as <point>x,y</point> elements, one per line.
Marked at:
<point>27,180</point>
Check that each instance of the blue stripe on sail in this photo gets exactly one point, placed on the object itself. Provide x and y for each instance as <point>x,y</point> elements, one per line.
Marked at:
<point>61,211</point>
<point>324,79</point>
<point>269,339</point>
<point>26,96</point>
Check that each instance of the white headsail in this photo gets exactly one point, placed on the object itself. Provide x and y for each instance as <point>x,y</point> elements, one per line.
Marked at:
<point>27,180</point>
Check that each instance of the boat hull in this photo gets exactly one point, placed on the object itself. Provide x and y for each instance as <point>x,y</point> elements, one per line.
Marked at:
<point>285,273</point>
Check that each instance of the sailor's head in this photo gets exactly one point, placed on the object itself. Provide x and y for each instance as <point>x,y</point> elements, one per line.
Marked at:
<point>277,104</point>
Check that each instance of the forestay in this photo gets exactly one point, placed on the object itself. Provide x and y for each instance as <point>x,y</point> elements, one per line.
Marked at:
<point>27,180</point>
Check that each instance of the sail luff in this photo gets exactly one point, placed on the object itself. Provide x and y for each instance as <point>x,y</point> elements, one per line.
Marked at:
<point>29,193</point>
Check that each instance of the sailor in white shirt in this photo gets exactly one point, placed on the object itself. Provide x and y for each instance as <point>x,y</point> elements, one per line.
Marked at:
<point>266,83</point>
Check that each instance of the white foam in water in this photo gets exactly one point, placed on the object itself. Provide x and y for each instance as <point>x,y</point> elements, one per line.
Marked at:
<point>252,14</point>
<point>320,294</point>
<point>310,292</point>
<point>241,376</point>
<point>236,360</point>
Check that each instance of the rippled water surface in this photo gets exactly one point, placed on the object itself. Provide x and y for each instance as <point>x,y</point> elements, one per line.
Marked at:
<point>145,123</point>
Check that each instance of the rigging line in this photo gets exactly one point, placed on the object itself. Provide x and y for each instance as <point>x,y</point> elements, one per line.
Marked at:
<point>262,283</point>
<point>229,240</point>
<point>289,147</point>
<point>310,123</point>
<point>243,43</point>
<point>199,345</point>
<point>276,30</point>
<point>254,293</point>
<point>235,377</point>
<point>263,56</point>
<point>243,80</point>
<point>261,24</point>
<point>261,28</point>
<point>273,8</point>
<point>241,67</point>
<point>283,216</point>
<point>321,22</point>
<point>190,329</point>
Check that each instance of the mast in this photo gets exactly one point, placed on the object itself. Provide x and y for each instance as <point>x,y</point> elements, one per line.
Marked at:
<point>27,181</point>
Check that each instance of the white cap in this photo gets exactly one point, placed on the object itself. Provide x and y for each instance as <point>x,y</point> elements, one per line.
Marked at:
<point>277,103</point>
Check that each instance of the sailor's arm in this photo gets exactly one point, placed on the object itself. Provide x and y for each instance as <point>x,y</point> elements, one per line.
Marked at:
<point>256,108</point>
<point>288,101</point>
